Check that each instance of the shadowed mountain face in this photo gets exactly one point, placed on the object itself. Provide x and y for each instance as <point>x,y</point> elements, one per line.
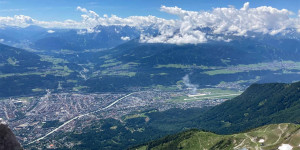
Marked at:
<point>21,71</point>
<point>8,140</point>
<point>260,104</point>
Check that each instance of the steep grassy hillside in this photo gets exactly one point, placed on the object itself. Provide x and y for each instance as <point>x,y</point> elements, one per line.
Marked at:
<point>260,104</point>
<point>14,60</point>
<point>264,138</point>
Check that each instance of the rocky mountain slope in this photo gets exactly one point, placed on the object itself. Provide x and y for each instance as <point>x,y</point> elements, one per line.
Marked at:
<point>8,140</point>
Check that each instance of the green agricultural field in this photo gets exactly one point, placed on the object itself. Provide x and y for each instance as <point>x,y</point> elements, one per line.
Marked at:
<point>21,74</point>
<point>287,66</point>
<point>181,66</point>
<point>118,73</point>
<point>128,65</point>
<point>112,68</point>
<point>138,115</point>
<point>72,81</point>
<point>135,116</point>
<point>222,71</point>
<point>79,88</point>
<point>53,60</point>
<point>37,90</point>
<point>55,70</point>
<point>110,64</point>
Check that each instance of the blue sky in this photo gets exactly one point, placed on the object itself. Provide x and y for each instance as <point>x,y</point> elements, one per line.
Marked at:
<point>49,10</point>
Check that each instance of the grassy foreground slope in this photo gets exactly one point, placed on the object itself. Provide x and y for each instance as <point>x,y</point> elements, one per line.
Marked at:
<point>264,138</point>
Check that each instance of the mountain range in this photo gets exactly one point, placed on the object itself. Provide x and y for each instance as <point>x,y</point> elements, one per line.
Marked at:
<point>39,38</point>
<point>235,64</point>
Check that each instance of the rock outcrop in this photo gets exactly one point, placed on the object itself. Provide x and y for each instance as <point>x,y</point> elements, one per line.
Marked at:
<point>8,140</point>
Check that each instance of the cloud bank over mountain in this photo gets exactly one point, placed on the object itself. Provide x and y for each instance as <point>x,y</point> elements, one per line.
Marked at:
<point>239,22</point>
<point>187,29</point>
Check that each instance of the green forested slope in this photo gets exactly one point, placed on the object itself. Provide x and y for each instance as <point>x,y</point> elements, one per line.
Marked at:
<point>26,73</point>
<point>260,104</point>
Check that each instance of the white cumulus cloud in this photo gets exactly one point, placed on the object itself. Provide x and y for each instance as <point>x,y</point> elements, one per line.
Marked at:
<point>233,21</point>
<point>25,21</point>
<point>51,31</point>
<point>17,20</point>
<point>125,38</point>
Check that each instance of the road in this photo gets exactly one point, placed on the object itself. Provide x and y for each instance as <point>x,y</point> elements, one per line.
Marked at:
<point>77,117</point>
